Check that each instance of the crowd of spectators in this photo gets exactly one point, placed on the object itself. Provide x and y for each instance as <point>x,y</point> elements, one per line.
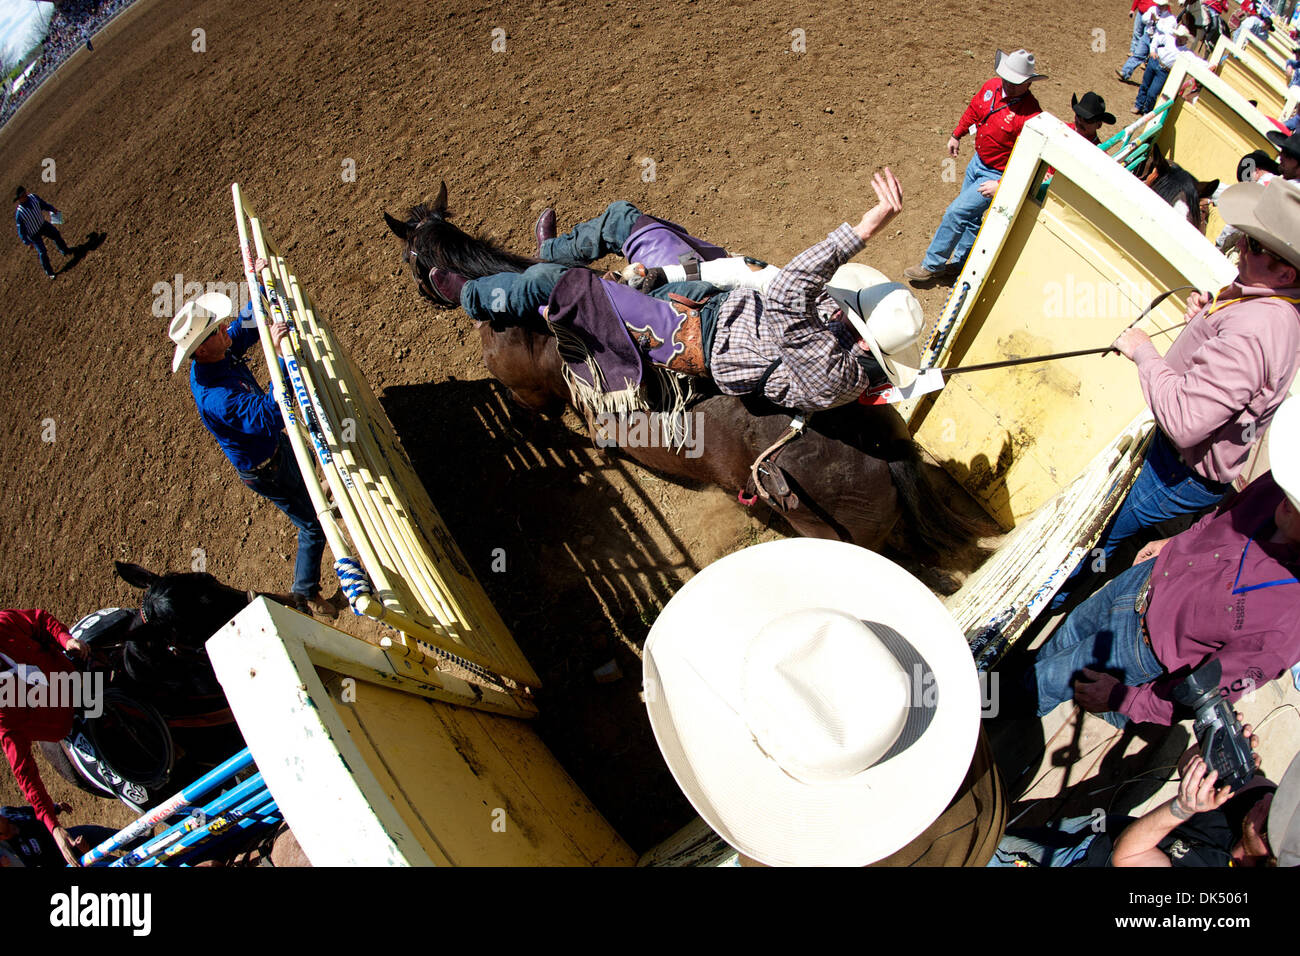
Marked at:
<point>71,26</point>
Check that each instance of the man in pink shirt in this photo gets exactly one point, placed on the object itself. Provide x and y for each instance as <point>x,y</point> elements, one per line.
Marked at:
<point>31,650</point>
<point>1225,588</point>
<point>1216,390</point>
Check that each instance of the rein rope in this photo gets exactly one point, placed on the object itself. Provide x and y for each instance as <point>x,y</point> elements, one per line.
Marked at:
<point>758,468</point>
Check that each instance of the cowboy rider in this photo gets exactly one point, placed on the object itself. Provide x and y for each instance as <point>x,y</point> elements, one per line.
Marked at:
<point>803,341</point>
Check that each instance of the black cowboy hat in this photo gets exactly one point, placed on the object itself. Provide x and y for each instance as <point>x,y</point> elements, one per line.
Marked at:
<point>1258,160</point>
<point>1286,143</point>
<point>18,193</point>
<point>1090,108</point>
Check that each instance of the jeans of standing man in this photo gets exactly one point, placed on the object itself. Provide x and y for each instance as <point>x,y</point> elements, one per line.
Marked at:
<point>961,220</point>
<point>50,232</point>
<point>280,482</point>
<point>1165,488</point>
<point>1065,844</point>
<point>595,238</point>
<point>1139,49</point>
<point>1153,81</point>
<point>513,297</point>
<point>1103,633</point>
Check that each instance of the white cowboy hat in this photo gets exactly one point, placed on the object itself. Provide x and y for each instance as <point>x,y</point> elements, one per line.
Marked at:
<point>1016,67</point>
<point>1284,448</point>
<point>814,701</point>
<point>1284,817</point>
<point>196,320</point>
<point>1269,212</point>
<point>893,318</point>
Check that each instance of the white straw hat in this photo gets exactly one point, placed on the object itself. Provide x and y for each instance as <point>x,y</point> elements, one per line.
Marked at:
<point>885,314</point>
<point>815,702</point>
<point>196,320</point>
<point>1016,67</point>
<point>1284,448</point>
<point>1284,817</point>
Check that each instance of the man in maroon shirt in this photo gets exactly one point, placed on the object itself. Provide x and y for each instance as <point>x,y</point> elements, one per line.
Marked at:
<point>31,646</point>
<point>1225,588</point>
<point>998,111</point>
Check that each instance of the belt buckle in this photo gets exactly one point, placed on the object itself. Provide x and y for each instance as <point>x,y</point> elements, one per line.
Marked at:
<point>1143,598</point>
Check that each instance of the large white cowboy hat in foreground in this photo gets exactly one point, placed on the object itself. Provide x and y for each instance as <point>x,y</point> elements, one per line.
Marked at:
<point>1284,448</point>
<point>1284,817</point>
<point>815,702</point>
<point>196,320</point>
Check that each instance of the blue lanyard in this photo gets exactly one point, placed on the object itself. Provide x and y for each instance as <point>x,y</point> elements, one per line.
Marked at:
<point>1241,567</point>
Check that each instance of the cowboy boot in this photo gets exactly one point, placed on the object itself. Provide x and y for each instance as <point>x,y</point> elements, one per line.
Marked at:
<point>446,285</point>
<point>544,229</point>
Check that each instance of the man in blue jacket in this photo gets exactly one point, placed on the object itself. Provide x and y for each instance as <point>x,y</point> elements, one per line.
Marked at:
<point>247,425</point>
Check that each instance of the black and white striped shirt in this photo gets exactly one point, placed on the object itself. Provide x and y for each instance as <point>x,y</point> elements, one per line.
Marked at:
<point>30,216</point>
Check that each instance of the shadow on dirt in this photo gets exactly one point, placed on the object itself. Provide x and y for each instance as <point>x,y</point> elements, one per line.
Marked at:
<point>577,560</point>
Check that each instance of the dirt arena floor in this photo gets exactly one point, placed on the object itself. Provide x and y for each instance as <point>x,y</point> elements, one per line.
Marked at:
<point>756,124</point>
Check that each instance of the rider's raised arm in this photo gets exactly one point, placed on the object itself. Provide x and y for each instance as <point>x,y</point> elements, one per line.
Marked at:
<point>796,288</point>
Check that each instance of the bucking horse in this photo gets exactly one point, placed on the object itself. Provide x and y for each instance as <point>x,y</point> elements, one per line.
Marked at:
<point>853,473</point>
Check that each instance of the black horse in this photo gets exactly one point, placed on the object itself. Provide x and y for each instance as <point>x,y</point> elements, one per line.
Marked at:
<point>1176,186</point>
<point>166,717</point>
<point>851,475</point>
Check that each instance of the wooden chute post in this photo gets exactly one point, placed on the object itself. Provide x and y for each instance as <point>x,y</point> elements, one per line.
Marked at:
<point>1249,71</point>
<point>371,763</point>
<point>1053,269</point>
<point>429,597</point>
<point>1209,135</point>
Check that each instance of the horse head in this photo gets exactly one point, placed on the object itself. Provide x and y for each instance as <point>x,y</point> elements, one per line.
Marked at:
<point>1178,187</point>
<point>433,242</point>
<point>182,609</point>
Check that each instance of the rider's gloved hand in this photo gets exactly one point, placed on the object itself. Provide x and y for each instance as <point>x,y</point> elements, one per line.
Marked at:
<point>76,649</point>
<point>643,279</point>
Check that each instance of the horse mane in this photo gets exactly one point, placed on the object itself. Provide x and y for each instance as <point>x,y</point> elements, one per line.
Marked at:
<point>439,244</point>
<point>189,607</point>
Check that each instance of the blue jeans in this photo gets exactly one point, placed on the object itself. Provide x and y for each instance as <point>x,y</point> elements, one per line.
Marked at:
<point>961,220</point>
<point>48,231</point>
<point>594,239</point>
<point>1066,844</point>
<point>511,295</point>
<point>1139,48</point>
<point>514,296</point>
<point>1165,488</point>
<point>1153,81</point>
<point>280,482</point>
<point>1104,633</point>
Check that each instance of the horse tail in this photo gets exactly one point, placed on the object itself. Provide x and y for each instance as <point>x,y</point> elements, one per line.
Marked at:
<point>929,523</point>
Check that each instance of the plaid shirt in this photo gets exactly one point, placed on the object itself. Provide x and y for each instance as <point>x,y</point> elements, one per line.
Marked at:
<point>793,335</point>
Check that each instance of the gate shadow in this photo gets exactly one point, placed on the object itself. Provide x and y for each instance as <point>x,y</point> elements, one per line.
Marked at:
<point>578,560</point>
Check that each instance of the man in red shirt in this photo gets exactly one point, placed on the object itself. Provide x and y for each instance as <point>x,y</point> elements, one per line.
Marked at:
<point>31,645</point>
<point>998,111</point>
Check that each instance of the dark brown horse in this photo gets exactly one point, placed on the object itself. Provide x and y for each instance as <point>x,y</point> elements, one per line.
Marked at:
<point>851,475</point>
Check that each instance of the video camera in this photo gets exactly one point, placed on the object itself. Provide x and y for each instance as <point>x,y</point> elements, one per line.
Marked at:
<point>1224,744</point>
